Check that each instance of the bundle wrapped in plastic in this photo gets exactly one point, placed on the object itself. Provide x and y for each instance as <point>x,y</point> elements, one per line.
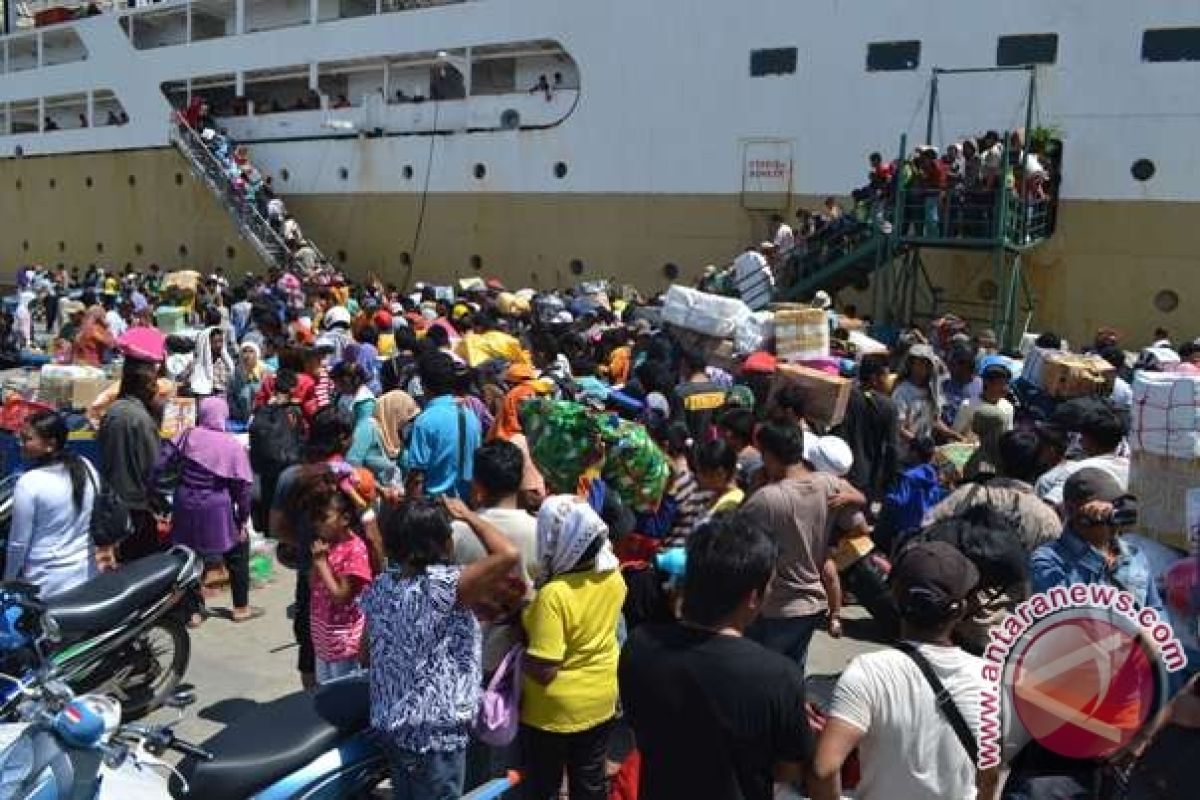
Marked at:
<point>634,466</point>
<point>564,440</point>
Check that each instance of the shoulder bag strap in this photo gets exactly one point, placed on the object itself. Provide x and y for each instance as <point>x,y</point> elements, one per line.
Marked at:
<point>462,443</point>
<point>945,702</point>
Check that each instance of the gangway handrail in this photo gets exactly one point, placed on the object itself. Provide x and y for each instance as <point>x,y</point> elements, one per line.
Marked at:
<point>214,173</point>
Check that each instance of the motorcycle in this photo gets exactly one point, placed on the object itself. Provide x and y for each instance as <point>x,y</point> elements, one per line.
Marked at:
<point>122,633</point>
<point>67,747</point>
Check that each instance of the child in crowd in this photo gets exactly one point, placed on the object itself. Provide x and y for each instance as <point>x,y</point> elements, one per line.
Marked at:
<point>717,473</point>
<point>341,572</point>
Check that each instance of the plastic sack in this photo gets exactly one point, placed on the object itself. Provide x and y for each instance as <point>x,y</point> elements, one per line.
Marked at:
<point>563,441</point>
<point>634,466</point>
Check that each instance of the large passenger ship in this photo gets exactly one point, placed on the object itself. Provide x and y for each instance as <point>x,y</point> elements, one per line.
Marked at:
<point>549,141</point>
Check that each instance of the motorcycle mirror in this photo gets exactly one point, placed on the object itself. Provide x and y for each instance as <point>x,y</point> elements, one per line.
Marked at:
<point>181,699</point>
<point>50,629</point>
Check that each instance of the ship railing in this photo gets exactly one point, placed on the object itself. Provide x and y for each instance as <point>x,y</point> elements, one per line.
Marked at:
<point>208,167</point>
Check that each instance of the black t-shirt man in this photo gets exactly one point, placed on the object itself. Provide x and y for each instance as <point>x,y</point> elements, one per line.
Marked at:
<point>713,714</point>
<point>699,402</point>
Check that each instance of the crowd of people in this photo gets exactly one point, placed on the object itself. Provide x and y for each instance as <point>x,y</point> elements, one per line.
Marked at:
<point>393,455</point>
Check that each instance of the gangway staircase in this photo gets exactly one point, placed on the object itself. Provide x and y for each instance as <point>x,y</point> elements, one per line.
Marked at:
<point>267,242</point>
<point>885,247</point>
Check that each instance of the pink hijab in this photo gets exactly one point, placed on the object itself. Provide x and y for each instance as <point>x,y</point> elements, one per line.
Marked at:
<point>210,446</point>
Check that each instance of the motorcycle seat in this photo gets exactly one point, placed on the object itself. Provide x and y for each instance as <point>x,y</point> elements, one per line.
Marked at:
<point>277,739</point>
<point>111,597</point>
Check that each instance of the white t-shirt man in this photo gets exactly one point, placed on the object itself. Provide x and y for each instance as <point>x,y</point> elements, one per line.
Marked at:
<point>275,208</point>
<point>966,413</point>
<point>1049,487</point>
<point>520,528</point>
<point>908,750</point>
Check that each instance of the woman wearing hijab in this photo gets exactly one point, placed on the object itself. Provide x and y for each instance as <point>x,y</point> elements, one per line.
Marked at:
<point>212,368</point>
<point>94,342</point>
<point>394,411</point>
<point>246,382</point>
<point>570,669</point>
<point>212,499</point>
<point>520,380</point>
<point>366,443</point>
<point>918,400</point>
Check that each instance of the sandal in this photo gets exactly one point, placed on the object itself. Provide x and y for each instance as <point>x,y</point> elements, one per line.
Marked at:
<point>254,612</point>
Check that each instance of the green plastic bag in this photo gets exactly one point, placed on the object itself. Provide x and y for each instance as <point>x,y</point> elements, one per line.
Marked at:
<point>634,466</point>
<point>563,441</point>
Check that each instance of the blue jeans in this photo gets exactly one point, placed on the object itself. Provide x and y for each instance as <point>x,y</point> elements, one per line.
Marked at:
<point>789,636</point>
<point>427,776</point>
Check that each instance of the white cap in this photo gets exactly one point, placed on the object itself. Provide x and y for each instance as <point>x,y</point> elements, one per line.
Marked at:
<point>822,300</point>
<point>828,454</point>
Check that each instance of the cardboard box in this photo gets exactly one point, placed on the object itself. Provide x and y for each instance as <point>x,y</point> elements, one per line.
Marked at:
<point>1065,375</point>
<point>84,391</point>
<point>1161,485</point>
<point>825,395</point>
<point>801,334</point>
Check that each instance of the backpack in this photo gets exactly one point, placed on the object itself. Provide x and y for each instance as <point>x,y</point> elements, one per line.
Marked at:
<point>276,443</point>
<point>989,541</point>
<point>110,521</point>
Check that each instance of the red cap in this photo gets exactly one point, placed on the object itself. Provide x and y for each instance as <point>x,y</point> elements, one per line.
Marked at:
<point>383,320</point>
<point>759,361</point>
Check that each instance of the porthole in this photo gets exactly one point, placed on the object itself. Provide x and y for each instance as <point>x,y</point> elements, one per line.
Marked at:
<point>230,252</point>
<point>1143,169</point>
<point>137,248</point>
<point>407,172</point>
<point>99,247</point>
<point>480,171</point>
<point>53,182</point>
<point>183,251</point>
<point>476,263</point>
<point>88,182</point>
<point>1166,301</point>
<point>341,256</point>
<point>560,170</point>
<point>988,291</point>
<point>132,180</point>
<point>510,119</point>
<point>284,174</point>
<point>670,271</point>
<point>343,173</point>
<point>179,179</point>
<point>576,266</point>
<point>405,259</point>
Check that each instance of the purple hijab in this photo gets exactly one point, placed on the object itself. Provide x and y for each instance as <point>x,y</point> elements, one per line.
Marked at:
<point>210,446</point>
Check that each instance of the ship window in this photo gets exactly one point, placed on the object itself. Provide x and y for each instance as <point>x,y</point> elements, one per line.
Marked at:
<point>480,171</point>
<point>53,183</point>
<point>560,169</point>
<point>576,266</point>
<point>132,180</point>
<point>407,172</point>
<point>230,252</point>
<point>670,271</point>
<point>1034,48</point>
<point>1166,301</point>
<point>18,180</point>
<point>405,259</point>
<point>343,173</point>
<point>773,61</point>
<point>476,263</point>
<point>341,256</point>
<point>62,246</point>
<point>137,248</point>
<point>183,251</point>
<point>1171,44</point>
<point>25,245</point>
<point>893,56</point>
<point>1143,169</point>
<point>179,179</point>
<point>283,173</point>
<point>88,181</point>
<point>99,247</point>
